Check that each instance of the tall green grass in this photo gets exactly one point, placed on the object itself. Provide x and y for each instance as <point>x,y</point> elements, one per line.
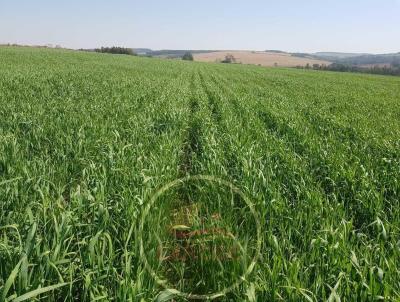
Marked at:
<point>86,139</point>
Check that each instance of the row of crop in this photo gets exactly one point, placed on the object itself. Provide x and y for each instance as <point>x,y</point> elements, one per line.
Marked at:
<point>293,142</point>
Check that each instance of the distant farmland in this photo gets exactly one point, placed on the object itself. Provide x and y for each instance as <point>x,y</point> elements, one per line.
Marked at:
<point>259,58</point>
<point>298,198</point>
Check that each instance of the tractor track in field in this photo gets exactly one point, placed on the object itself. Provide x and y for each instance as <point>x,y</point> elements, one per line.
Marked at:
<point>192,144</point>
<point>212,104</point>
<point>192,148</point>
<point>185,207</point>
<point>233,164</point>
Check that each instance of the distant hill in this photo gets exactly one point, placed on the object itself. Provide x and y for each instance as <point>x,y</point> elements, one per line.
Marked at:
<point>275,51</point>
<point>389,59</point>
<point>337,55</point>
<point>359,59</point>
<point>141,51</point>
<point>329,56</point>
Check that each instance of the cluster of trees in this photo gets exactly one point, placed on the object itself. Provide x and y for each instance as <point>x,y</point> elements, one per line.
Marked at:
<point>116,50</point>
<point>393,69</point>
<point>187,56</point>
<point>229,58</point>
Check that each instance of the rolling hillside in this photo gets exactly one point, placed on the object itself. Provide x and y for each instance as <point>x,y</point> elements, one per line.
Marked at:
<point>260,58</point>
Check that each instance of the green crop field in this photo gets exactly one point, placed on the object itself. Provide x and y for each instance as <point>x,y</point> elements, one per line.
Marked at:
<point>297,198</point>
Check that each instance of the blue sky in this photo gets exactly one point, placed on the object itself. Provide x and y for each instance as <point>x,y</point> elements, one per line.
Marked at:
<point>305,26</point>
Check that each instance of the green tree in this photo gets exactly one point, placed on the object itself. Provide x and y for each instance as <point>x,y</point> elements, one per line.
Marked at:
<point>187,56</point>
<point>116,50</point>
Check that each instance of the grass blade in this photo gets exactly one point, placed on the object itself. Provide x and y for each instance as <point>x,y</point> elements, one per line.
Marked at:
<point>38,291</point>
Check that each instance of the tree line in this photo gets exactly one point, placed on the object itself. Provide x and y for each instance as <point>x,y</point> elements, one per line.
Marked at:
<point>372,59</point>
<point>116,50</point>
<point>393,69</point>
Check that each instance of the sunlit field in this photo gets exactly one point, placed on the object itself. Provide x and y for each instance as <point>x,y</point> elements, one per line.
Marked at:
<point>100,199</point>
